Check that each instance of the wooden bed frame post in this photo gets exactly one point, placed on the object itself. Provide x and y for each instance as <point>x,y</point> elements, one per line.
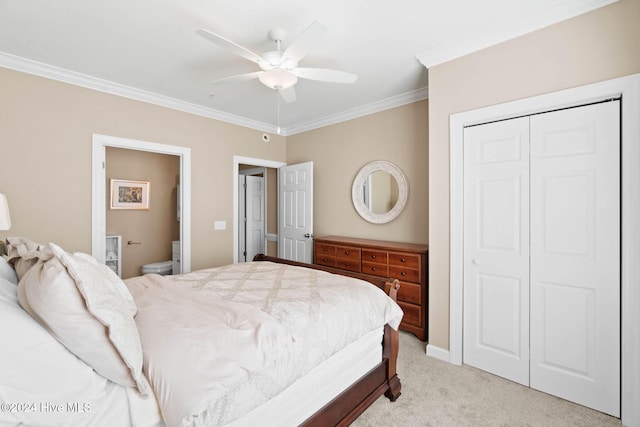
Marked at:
<point>391,347</point>
<point>381,380</point>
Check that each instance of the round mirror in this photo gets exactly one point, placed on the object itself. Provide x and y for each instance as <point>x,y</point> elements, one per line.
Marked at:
<point>379,192</point>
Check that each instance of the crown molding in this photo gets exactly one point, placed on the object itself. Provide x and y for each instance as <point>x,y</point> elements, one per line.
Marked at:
<point>458,48</point>
<point>374,107</point>
<point>60,74</point>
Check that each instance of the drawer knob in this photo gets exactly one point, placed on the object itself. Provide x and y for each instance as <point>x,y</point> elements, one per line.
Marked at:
<point>324,249</point>
<point>402,260</point>
<point>373,257</point>
<point>373,269</point>
<point>324,259</point>
<point>347,264</point>
<point>403,273</point>
<point>346,252</point>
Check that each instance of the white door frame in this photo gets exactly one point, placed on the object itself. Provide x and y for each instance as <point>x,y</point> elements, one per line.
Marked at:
<point>99,185</point>
<point>237,161</point>
<point>628,88</point>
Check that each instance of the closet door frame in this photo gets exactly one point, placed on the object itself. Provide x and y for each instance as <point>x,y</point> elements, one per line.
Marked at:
<point>628,89</point>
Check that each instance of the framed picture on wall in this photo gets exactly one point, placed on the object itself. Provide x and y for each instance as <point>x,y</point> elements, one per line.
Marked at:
<point>129,194</point>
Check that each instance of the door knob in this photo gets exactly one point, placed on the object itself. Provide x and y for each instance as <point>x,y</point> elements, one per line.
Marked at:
<point>475,261</point>
<point>308,236</point>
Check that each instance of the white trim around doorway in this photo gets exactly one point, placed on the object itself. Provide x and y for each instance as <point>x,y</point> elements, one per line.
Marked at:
<point>628,89</point>
<point>237,161</point>
<point>98,191</point>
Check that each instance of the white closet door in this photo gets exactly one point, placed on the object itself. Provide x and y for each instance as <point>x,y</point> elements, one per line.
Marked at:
<point>575,255</point>
<point>496,248</point>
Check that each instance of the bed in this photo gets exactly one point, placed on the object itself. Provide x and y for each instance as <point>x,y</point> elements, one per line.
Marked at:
<point>266,341</point>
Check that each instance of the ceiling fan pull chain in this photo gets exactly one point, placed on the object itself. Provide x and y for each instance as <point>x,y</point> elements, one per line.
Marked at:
<point>278,108</point>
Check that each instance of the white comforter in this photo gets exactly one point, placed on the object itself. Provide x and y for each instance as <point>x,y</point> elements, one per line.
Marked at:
<point>220,342</point>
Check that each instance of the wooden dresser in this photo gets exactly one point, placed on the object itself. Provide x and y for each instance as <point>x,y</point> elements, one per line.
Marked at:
<point>406,262</point>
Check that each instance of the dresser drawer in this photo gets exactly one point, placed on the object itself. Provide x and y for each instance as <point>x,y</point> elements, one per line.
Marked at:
<point>378,257</point>
<point>381,270</point>
<point>348,264</point>
<point>404,274</point>
<point>405,260</point>
<point>348,252</point>
<point>413,314</point>
<point>327,260</point>
<point>408,292</point>
<point>324,249</point>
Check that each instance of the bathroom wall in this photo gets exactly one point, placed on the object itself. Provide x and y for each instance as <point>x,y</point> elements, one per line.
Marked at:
<point>153,229</point>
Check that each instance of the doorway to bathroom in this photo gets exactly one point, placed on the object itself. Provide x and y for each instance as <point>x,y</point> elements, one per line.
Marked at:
<point>147,235</point>
<point>175,203</point>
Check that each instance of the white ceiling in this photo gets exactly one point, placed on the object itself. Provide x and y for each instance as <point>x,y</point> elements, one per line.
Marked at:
<point>148,49</point>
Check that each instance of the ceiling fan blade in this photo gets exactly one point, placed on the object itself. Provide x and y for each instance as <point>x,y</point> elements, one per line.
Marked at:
<point>238,77</point>
<point>288,95</point>
<point>324,75</point>
<point>228,44</point>
<point>306,41</point>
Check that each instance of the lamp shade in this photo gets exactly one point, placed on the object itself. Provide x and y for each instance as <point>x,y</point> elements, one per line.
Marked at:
<point>5,218</point>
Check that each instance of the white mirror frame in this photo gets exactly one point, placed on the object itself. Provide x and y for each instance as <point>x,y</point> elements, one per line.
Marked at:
<point>357,192</point>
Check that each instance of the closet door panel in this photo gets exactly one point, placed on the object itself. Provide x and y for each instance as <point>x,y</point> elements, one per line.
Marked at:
<point>575,255</point>
<point>496,254</point>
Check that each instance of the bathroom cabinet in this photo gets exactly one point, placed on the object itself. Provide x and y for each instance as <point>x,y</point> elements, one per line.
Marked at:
<point>113,253</point>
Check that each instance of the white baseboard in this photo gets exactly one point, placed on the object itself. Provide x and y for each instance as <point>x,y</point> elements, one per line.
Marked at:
<point>438,353</point>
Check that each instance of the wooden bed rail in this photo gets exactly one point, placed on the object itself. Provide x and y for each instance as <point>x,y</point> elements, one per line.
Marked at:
<point>381,380</point>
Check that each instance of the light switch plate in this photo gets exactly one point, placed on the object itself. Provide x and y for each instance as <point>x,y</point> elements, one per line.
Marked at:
<point>220,225</point>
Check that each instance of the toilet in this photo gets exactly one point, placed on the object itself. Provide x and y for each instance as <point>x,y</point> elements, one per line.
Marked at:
<point>162,268</point>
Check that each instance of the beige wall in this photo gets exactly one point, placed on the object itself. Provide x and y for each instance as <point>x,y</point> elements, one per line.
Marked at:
<point>46,130</point>
<point>597,46</point>
<point>153,229</point>
<point>338,152</point>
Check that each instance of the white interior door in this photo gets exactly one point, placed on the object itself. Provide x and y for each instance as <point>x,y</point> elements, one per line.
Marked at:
<point>295,208</point>
<point>496,250</point>
<point>575,255</point>
<point>254,216</point>
<point>571,210</point>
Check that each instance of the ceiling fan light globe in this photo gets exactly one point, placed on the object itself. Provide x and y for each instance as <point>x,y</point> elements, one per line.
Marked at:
<point>280,79</point>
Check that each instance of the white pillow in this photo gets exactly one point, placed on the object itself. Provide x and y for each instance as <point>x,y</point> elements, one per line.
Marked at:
<point>7,272</point>
<point>88,311</point>
<point>36,368</point>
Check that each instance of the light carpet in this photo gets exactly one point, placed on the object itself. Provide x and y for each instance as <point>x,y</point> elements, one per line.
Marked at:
<point>437,393</point>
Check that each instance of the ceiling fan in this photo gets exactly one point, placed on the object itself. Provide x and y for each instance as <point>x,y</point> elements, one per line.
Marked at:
<point>279,70</point>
